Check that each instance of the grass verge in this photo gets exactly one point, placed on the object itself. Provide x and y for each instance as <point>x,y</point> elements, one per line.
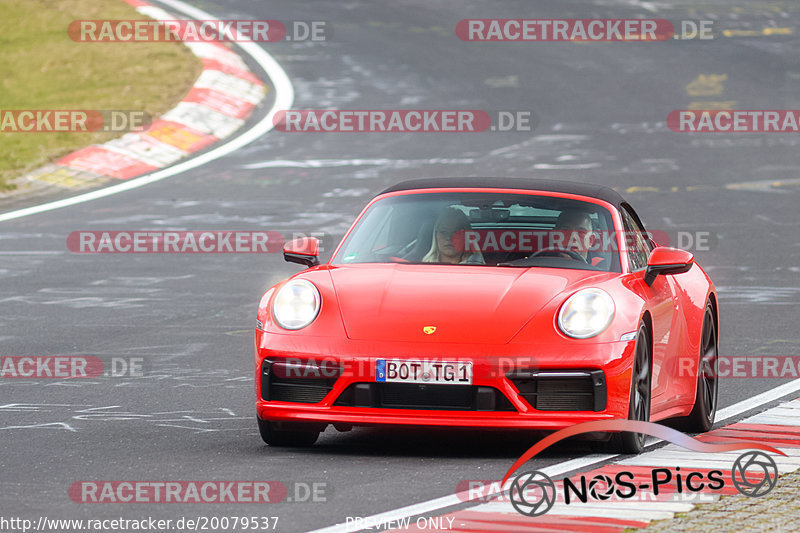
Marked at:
<point>42,68</point>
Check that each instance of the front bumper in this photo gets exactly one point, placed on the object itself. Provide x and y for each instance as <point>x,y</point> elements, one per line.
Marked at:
<point>501,369</point>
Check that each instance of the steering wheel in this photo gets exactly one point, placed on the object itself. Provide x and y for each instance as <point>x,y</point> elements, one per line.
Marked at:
<point>556,251</point>
<point>405,249</point>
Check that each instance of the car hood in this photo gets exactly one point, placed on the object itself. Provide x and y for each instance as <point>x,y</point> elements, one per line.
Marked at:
<point>466,304</point>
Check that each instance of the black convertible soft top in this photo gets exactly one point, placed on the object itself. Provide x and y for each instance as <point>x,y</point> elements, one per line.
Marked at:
<point>568,187</point>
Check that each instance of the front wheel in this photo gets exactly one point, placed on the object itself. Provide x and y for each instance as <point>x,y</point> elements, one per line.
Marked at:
<point>286,434</point>
<point>639,403</point>
<point>705,401</point>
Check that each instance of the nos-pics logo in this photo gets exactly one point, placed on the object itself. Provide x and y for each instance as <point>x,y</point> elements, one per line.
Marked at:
<point>534,493</point>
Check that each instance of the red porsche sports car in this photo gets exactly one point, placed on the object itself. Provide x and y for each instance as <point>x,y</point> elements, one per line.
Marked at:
<point>491,303</point>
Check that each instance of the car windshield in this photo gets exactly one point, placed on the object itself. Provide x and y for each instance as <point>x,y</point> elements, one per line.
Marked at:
<point>489,229</point>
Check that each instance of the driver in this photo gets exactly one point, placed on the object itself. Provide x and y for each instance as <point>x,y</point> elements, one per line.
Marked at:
<point>443,250</point>
<point>574,226</point>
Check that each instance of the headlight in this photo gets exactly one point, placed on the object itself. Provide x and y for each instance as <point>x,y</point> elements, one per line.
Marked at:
<point>586,313</point>
<point>296,305</point>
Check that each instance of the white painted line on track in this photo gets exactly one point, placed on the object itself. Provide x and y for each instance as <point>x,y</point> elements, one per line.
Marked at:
<point>732,411</point>
<point>284,98</point>
<point>423,508</point>
<point>455,499</point>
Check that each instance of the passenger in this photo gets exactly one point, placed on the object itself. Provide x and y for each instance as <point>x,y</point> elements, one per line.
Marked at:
<point>442,249</point>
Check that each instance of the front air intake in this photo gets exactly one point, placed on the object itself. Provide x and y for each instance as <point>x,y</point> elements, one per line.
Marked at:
<point>568,390</point>
<point>297,382</point>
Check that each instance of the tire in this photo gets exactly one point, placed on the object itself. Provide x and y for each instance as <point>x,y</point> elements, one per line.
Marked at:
<point>287,435</point>
<point>627,442</point>
<point>706,398</point>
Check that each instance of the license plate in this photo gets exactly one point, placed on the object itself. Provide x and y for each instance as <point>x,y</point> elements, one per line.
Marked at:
<point>430,372</point>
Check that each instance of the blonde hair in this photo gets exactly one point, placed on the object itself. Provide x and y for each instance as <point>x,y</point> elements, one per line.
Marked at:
<point>447,214</point>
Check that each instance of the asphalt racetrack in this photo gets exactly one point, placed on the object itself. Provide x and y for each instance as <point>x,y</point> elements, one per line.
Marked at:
<point>600,113</point>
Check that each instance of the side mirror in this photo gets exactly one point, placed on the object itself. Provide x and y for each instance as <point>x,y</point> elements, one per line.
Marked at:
<point>303,251</point>
<point>664,260</point>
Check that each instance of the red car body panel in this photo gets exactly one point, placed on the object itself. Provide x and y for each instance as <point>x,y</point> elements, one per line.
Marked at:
<point>501,319</point>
